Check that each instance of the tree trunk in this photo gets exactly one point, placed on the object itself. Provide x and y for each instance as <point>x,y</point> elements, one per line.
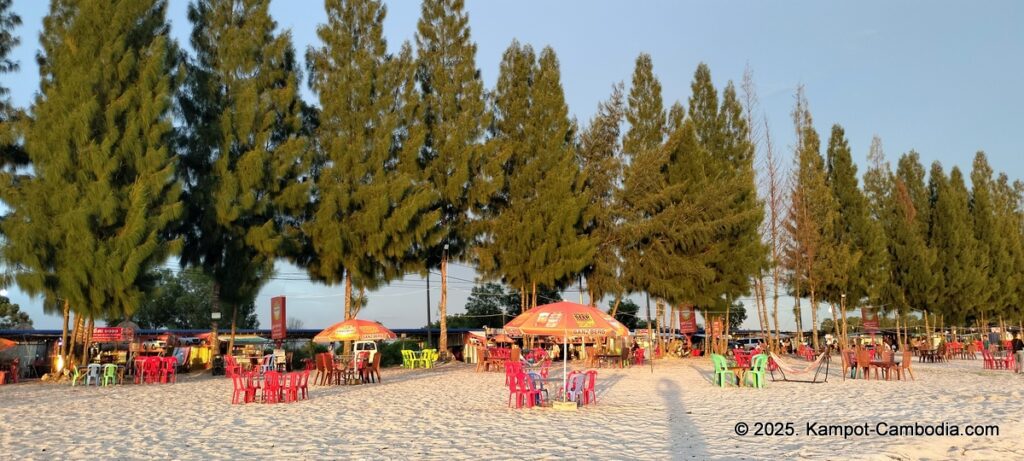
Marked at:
<point>927,334</point>
<point>842,310</point>
<point>87,340</point>
<point>725,327</point>
<point>347,345</point>
<point>214,338</point>
<point>615,308</point>
<point>533,289</point>
<point>64,334</point>
<point>899,338</point>
<point>442,340</point>
<point>814,320</point>
<point>798,314</point>
<point>234,322</point>
<point>523,297</point>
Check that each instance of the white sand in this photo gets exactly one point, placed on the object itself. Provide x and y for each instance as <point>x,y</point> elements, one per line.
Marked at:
<point>453,412</point>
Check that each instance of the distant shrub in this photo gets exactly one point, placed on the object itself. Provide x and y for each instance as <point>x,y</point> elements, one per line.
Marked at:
<point>391,354</point>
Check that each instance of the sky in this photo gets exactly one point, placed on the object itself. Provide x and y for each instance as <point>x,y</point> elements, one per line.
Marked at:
<point>938,77</point>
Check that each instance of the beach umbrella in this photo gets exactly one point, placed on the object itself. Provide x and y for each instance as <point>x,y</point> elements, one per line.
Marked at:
<point>354,330</point>
<point>564,319</point>
<point>6,344</point>
<point>502,338</point>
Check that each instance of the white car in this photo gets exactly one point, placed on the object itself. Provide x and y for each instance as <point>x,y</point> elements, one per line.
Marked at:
<point>369,346</point>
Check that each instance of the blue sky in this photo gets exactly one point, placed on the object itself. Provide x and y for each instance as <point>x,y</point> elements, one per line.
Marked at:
<point>939,77</point>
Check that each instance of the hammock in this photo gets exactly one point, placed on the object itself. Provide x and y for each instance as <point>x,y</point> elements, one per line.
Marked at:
<point>814,366</point>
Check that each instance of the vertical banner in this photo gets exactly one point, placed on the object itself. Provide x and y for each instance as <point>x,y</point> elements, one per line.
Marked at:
<point>870,319</point>
<point>278,324</point>
<point>716,327</point>
<point>687,320</point>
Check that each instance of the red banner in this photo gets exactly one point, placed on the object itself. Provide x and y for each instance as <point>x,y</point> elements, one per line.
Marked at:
<point>112,334</point>
<point>869,319</point>
<point>278,322</point>
<point>687,320</point>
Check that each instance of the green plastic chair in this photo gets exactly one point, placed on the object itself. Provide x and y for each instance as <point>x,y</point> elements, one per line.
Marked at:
<point>408,359</point>
<point>722,371</point>
<point>427,358</point>
<point>109,374</point>
<point>75,376</point>
<point>756,374</point>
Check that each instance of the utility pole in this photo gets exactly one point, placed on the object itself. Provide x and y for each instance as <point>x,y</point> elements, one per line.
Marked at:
<point>428,309</point>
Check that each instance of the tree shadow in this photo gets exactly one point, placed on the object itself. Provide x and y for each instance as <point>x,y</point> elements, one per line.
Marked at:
<point>685,440</point>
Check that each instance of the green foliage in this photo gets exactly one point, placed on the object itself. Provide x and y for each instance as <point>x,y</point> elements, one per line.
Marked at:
<point>11,152</point>
<point>90,218</point>
<point>11,316</point>
<point>491,305</point>
<point>960,263</point>
<point>737,315</point>
<point>531,221</point>
<point>601,164</point>
<point>391,353</point>
<point>992,217</point>
<point>183,301</point>
<point>454,118</point>
<point>627,313</point>
<point>242,152</point>
<point>854,229</point>
<point>368,208</point>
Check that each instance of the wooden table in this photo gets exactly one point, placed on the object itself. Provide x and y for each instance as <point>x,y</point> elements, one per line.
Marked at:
<point>886,368</point>
<point>739,372</point>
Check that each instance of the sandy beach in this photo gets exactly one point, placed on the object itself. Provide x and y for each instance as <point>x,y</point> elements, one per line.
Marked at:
<point>452,412</point>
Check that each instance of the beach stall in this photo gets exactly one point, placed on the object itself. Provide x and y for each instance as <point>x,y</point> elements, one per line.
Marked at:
<point>566,320</point>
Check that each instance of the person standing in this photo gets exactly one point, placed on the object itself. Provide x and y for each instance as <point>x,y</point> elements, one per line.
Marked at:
<point>1018,352</point>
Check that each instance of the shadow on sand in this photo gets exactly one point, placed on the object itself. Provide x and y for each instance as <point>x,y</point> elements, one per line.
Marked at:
<point>685,440</point>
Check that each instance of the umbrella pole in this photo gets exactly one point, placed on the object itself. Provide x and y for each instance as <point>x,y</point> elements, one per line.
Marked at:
<point>565,365</point>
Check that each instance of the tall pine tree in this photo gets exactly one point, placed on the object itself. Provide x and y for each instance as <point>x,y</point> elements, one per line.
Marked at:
<point>89,222</point>
<point>533,238</point>
<point>454,116</point>
<point>600,157</point>
<point>960,263</point>
<point>992,232</point>
<point>243,158</point>
<point>11,152</point>
<point>369,210</point>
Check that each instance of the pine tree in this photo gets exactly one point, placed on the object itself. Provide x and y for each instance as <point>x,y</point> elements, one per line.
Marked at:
<point>912,260</point>
<point>531,238</point>
<point>368,211</point>
<point>720,151</point>
<point>88,223</point>
<point>960,262</point>
<point>243,156</point>
<point>992,231</point>
<point>11,152</point>
<point>814,259</point>
<point>600,160</point>
<point>454,116</point>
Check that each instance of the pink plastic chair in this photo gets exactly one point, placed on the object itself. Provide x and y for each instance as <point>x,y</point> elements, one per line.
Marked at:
<point>304,384</point>
<point>588,388</point>
<point>239,390</point>
<point>526,391</point>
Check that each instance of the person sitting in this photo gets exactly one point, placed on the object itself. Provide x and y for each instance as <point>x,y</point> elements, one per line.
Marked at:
<point>1018,352</point>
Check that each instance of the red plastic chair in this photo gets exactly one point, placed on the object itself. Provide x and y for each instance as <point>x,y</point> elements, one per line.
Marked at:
<point>271,387</point>
<point>239,391</point>
<point>252,384</point>
<point>588,388</point>
<point>526,391</point>
<point>1009,362</point>
<point>545,368</point>
<point>231,367</point>
<point>304,384</point>
<point>151,369</point>
<point>742,358</point>
<point>289,390</point>
<point>512,381</point>
<point>638,356</point>
<point>511,369</point>
<point>990,361</point>
<point>139,369</point>
<point>169,370</point>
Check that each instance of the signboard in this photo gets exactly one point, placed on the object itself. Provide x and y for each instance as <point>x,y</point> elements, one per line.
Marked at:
<point>112,334</point>
<point>716,327</point>
<point>870,319</point>
<point>278,322</point>
<point>687,320</point>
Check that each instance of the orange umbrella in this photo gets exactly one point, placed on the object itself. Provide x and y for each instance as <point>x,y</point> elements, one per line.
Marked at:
<point>354,330</point>
<point>502,339</point>
<point>565,319</point>
<point>6,344</point>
